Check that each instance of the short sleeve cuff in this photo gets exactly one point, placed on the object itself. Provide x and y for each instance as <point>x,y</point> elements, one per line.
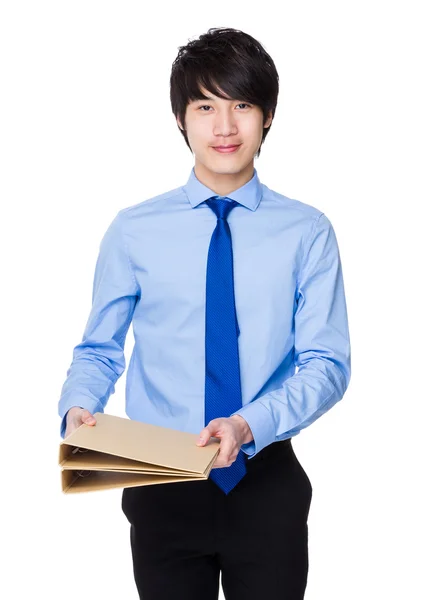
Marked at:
<point>261,424</point>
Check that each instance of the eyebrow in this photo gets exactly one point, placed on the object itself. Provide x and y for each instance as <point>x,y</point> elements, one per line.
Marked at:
<point>214,98</point>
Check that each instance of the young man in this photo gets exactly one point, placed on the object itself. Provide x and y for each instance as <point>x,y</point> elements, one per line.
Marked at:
<point>237,301</point>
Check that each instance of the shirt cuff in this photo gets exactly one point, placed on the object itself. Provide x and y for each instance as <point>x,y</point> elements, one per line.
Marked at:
<point>261,424</point>
<point>80,401</point>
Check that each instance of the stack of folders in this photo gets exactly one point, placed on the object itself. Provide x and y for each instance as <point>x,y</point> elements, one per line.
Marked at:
<point>119,452</point>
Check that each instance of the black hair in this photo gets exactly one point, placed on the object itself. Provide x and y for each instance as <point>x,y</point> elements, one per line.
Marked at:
<point>229,60</point>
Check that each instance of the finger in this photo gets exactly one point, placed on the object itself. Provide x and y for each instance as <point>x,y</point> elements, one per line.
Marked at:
<point>88,418</point>
<point>226,455</point>
<point>206,434</point>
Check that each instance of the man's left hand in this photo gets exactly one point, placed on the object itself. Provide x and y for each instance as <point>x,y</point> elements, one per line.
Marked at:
<point>233,432</point>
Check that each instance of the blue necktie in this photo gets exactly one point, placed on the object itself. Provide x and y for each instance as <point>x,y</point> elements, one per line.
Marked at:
<point>223,383</point>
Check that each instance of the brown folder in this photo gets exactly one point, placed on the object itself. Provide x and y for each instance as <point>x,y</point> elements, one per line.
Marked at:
<point>119,452</point>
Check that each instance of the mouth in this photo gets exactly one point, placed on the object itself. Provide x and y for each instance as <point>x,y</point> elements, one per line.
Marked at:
<point>226,149</point>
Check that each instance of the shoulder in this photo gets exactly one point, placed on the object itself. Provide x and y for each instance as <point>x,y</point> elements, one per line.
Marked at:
<point>306,215</point>
<point>303,209</point>
<point>154,204</point>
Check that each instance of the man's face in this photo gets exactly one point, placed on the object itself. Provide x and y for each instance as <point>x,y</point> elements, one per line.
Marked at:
<point>221,122</point>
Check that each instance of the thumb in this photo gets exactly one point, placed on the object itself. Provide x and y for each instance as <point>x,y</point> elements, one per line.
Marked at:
<point>88,418</point>
<point>204,437</point>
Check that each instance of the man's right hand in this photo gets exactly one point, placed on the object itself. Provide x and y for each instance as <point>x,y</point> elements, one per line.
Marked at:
<point>76,416</point>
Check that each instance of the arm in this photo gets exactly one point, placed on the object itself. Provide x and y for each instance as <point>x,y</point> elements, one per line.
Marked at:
<point>98,361</point>
<point>321,351</point>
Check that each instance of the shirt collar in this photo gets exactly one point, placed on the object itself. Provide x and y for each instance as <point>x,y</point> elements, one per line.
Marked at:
<point>248,195</point>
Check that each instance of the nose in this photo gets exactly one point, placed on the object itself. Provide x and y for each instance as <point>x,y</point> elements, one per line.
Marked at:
<point>225,123</point>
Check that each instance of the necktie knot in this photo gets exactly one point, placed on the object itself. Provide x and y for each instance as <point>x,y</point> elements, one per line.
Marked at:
<point>220,206</point>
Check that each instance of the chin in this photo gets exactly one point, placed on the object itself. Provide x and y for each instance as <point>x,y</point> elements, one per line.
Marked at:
<point>225,170</point>
<point>227,164</point>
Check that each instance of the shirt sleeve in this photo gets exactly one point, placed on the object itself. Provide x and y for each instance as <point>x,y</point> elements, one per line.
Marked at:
<point>322,350</point>
<point>98,360</point>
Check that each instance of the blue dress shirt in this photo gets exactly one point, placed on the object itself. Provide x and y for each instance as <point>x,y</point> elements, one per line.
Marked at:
<point>290,303</point>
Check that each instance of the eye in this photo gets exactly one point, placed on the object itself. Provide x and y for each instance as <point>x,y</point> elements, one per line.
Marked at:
<point>208,106</point>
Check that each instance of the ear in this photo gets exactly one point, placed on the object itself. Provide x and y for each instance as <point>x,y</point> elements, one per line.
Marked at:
<point>179,124</point>
<point>269,119</point>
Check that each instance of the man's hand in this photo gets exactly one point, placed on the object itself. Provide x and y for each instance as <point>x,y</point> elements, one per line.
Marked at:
<point>233,432</point>
<point>76,417</point>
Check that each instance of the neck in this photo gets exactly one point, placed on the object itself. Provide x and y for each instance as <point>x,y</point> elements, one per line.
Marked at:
<point>223,183</point>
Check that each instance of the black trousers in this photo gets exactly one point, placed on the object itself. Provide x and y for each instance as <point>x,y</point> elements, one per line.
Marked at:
<point>184,535</point>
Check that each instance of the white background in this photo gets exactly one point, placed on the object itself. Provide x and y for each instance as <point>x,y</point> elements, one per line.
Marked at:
<point>87,129</point>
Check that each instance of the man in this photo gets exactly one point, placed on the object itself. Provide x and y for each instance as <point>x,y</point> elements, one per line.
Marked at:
<point>237,301</point>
